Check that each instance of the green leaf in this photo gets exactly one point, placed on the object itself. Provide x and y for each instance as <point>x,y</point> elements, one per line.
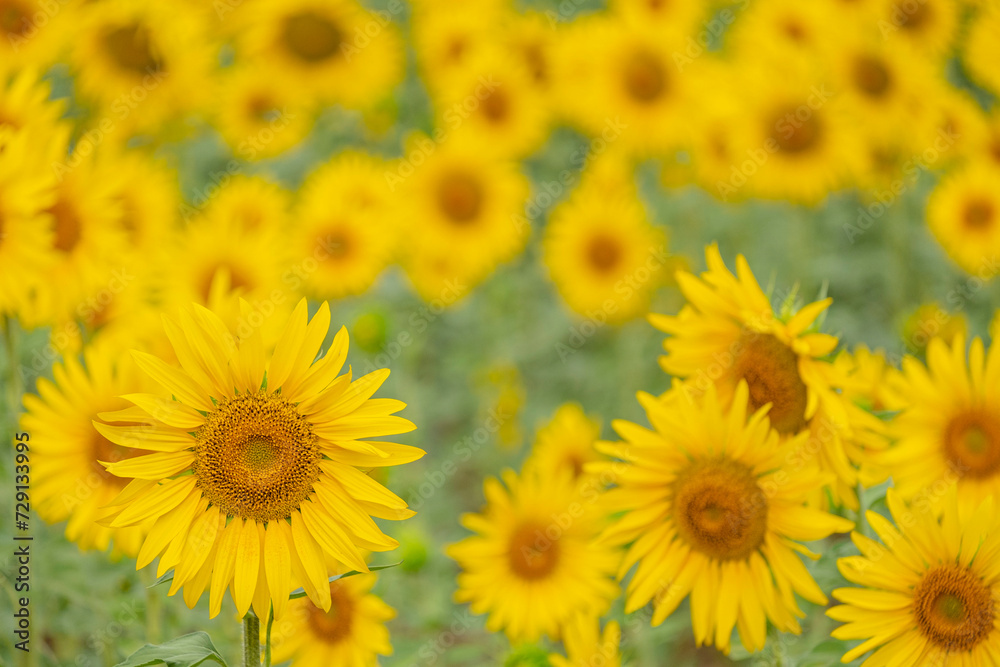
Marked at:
<point>167,578</point>
<point>187,651</point>
<point>301,593</point>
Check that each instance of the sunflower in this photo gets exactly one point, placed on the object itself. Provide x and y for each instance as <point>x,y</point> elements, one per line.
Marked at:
<point>26,238</point>
<point>260,113</point>
<point>566,442</point>
<point>33,33</point>
<point>25,105</point>
<point>532,565</point>
<point>529,38</point>
<point>792,139</point>
<point>927,595</point>
<point>587,646</point>
<point>949,429</point>
<point>446,38</point>
<point>143,63</point>
<point>338,51</point>
<point>869,378</point>
<point>981,48</point>
<point>495,97</point>
<point>963,213</point>
<point>148,192</point>
<point>346,234</point>
<point>255,479</point>
<point>929,321</point>
<point>779,30</point>
<point>680,19</point>
<point>351,632</point>
<point>234,245</point>
<point>712,511</point>
<point>69,482</point>
<point>930,26</point>
<point>466,213</point>
<point>603,255</point>
<point>728,333</point>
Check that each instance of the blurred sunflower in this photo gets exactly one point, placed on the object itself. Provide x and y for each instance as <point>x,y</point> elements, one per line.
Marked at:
<point>529,37</point>
<point>587,646</point>
<point>927,597</point>
<point>982,47</point>
<point>69,482</point>
<point>338,51</point>
<point>446,39</point>
<point>680,19</point>
<point>603,255</point>
<point>32,34</point>
<point>949,429</point>
<point>527,567</point>
<point>259,112</point>
<point>566,443</point>
<point>711,512</point>
<point>729,333</point>
<point>929,321</point>
<point>467,213</point>
<point>351,632</point>
<point>130,53</point>
<point>930,26</point>
<point>868,378</point>
<point>255,479</point>
<point>346,229</point>
<point>778,31</point>
<point>25,104</point>
<point>963,213</point>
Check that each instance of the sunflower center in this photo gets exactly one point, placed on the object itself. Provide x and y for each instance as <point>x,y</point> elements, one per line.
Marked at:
<point>336,243</point>
<point>460,197</point>
<point>335,625</point>
<point>496,107</point>
<point>237,279</point>
<point>130,48</point>
<point>257,457</point>
<point>953,608</point>
<point>537,64</point>
<point>972,443</point>
<point>311,37</point>
<point>771,371</point>
<point>871,76</point>
<point>68,227</point>
<point>645,77</point>
<point>719,509</point>
<point>978,215</point>
<point>913,18</point>
<point>13,19</point>
<point>793,134</point>
<point>531,554</point>
<point>604,253</point>
<point>794,30</point>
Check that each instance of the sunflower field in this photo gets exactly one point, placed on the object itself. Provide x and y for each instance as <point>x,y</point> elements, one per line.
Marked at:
<point>549,333</point>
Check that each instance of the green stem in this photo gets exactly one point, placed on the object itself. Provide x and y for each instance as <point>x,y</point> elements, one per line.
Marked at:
<point>14,386</point>
<point>154,609</point>
<point>267,642</point>
<point>251,640</point>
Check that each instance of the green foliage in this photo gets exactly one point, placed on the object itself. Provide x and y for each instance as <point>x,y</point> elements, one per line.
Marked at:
<point>187,651</point>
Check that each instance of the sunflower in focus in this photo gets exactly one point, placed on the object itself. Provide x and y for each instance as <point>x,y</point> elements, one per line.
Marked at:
<point>260,113</point>
<point>729,333</point>
<point>255,478</point>
<point>711,509</point>
<point>949,429</point>
<point>926,595</point>
<point>603,255</point>
<point>69,481</point>
<point>587,646</point>
<point>566,443</point>
<point>467,210</point>
<point>346,230</point>
<point>963,213</point>
<point>528,549</point>
<point>351,632</point>
<point>339,51</point>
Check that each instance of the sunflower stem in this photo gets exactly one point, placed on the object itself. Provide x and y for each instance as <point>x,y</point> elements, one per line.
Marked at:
<point>267,641</point>
<point>251,640</point>
<point>154,609</point>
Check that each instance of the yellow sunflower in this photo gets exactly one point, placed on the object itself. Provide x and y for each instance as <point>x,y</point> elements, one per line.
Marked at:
<point>927,595</point>
<point>728,333</point>
<point>779,30</point>
<point>963,213</point>
<point>446,38</point>
<point>338,51</point>
<point>529,37</point>
<point>603,255</point>
<point>255,480</point>
<point>347,234</point>
<point>713,512</point>
<point>466,212</point>
<point>351,632</point>
<point>25,105</point>
<point>143,63</point>
<point>260,113</point>
<point>566,442</point>
<point>930,321</point>
<point>982,48</point>
<point>868,378</point>
<point>681,19</point>
<point>587,646</point>
<point>532,564</point>
<point>930,26</point>
<point>69,483</point>
<point>33,33</point>
<point>949,429</point>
